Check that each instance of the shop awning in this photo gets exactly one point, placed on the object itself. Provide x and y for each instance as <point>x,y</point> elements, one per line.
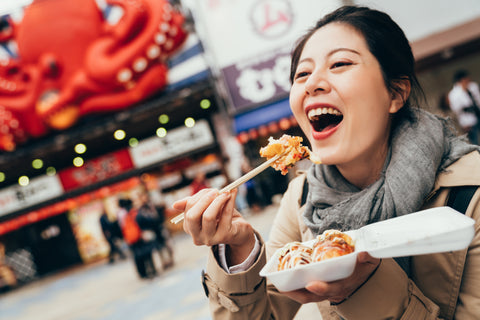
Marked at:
<point>262,116</point>
<point>455,42</point>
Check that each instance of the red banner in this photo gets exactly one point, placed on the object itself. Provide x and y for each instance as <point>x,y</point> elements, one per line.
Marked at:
<point>96,170</point>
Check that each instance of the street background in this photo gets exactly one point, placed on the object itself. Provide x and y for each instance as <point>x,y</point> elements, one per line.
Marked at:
<point>103,291</point>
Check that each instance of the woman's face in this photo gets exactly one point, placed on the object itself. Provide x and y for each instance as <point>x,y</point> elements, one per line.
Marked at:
<point>339,98</point>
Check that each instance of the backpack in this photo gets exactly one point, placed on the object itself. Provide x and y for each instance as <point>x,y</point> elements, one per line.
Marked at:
<point>130,228</point>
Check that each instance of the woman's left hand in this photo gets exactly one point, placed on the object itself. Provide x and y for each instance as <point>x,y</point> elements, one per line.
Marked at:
<point>337,291</point>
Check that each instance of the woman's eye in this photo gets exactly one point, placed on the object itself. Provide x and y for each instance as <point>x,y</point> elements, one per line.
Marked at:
<point>340,64</point>
<point>301,74</point>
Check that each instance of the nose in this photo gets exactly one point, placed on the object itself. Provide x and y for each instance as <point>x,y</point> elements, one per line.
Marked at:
<point>317,83</point>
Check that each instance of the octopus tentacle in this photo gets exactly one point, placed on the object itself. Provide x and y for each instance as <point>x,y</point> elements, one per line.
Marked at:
<point>119,59</point>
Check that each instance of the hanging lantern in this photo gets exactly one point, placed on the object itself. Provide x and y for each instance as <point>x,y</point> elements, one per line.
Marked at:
<point>263,131</point>
<point>273,127</point>
<point>252,134</point>
<point>284,124</point>
<point>293,121</point>
<point>242,137</point>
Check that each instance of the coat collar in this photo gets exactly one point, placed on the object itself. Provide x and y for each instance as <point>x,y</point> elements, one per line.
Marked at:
<point>463,172</point>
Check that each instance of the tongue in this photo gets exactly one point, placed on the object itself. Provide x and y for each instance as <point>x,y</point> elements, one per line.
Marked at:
<point>330,126</point>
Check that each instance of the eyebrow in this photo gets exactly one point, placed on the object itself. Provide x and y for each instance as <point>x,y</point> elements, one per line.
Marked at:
<point>333,52</point>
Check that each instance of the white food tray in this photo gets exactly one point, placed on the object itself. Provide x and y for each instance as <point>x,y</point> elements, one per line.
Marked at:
<point>429,231</point>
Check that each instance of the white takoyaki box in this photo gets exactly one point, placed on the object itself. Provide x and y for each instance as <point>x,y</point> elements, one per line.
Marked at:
<point>429,231</point>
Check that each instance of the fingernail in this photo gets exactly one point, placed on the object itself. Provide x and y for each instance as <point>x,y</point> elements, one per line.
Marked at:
<point>212,193</point>
<point>224,194</point>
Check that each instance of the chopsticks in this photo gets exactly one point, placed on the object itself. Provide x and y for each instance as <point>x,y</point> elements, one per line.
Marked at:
<point>249,175</point>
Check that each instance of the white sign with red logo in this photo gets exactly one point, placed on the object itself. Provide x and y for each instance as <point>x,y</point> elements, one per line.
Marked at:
<point>177,142</point>
<point>251,42</point>
<point>39,189</point>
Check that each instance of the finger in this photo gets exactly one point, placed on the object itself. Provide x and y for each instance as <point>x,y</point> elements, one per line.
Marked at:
<point>318,288</point>
<point>212,215</point>
<point>192,200</point>
<point>225,220</point>
<point>333,291</point>
<point>193,215</point>
<point>180,205</point>
<point>365,257</point>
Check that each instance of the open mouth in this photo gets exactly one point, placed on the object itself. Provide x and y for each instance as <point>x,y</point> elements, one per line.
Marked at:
<point>324,118</point>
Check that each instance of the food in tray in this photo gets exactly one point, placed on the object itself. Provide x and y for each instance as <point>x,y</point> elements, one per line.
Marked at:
<point>292,147</point>
<point>295,254</point>
<point>330,244</point>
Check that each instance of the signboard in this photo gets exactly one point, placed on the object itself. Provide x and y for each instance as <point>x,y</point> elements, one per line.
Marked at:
<point>251,41</point>
<point>96,170</point>
<point>259,80</point>
<point>39,189</point>
<point>177,142</point>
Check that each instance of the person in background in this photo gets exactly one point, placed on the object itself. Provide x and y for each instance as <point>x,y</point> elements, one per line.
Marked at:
<point>253,194</point>
<point>133,226</point>
<point>153,218</point>
<point>464,100</point>
<point>356,97</point>
<point>110,232</point>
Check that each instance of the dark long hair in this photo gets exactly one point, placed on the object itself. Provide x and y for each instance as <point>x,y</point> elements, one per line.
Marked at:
<point>386,41</point>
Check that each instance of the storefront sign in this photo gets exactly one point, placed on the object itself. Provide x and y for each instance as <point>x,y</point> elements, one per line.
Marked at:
<point>96,170</point>
<point>251,41</point>
<point>39,189</point>
<point>257,81</point>
<point>177,141</point>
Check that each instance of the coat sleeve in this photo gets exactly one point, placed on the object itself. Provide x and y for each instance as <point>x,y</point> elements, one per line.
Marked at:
<point>247,295</point>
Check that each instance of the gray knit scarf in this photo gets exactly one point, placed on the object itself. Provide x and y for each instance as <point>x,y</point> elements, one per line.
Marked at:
<point>418,151</point>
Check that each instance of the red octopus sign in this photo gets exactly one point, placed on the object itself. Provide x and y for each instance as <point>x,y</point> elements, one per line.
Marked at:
<point>72,62</point>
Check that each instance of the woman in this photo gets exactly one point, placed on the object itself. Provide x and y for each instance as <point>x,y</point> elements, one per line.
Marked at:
<point>353,94</point>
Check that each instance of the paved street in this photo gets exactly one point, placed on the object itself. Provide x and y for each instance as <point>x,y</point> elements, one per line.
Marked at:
<point>114,292</point>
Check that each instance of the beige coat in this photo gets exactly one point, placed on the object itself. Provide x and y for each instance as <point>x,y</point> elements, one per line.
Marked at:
<point>443,286</point>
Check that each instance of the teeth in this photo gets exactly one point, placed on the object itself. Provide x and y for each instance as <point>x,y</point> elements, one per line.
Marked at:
<point>319,111</point>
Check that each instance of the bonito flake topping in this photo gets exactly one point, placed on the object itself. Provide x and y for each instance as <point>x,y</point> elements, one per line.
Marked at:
<point>291,147</point>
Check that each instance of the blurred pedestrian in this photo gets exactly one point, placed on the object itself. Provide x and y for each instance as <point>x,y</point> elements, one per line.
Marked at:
<point>253,190</point>
<point>464,99</point>
<point>110,232</point>
<point>446,111</point>
<point>153,218</point>
<point>136,237</point>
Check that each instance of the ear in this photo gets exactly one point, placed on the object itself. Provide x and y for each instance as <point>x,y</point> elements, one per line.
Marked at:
<point>400,93</point>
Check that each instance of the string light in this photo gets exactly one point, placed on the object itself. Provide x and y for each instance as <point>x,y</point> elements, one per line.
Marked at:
<point>133,142</point>
<point>23,181</point>
<point>51,171</point>
<point>205,104</point>
<point>163,119</point>
<point>37,164</point>
<point>119,134</point>
<point>78,162</point>
<point>80,148</point>
<point>189,122</point>
<point>161,132</point>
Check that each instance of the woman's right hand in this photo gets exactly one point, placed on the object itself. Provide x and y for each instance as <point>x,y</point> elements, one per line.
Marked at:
<point>211,219</point>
